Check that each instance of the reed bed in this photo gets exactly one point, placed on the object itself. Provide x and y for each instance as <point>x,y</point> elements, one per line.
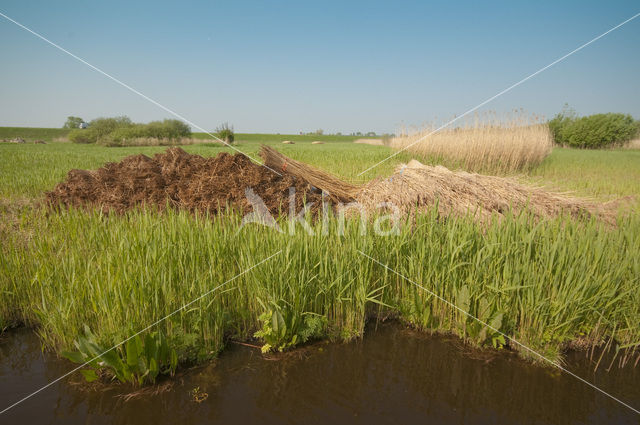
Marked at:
<point>484,144</point>
<point>547,284</point>
<point>633,144</point>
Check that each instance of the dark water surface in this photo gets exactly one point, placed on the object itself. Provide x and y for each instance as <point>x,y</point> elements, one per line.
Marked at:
<point>391,376</point>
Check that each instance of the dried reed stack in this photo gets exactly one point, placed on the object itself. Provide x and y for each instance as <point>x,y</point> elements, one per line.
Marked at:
<point>416,187</point>
<point>337,189</point>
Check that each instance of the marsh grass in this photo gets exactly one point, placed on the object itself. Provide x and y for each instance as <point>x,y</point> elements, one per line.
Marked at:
<point>545,284</point>
<point>485,144</point>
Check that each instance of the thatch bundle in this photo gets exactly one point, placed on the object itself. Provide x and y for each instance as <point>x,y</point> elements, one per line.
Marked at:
<point>337,189</point>
<point>416,186</point>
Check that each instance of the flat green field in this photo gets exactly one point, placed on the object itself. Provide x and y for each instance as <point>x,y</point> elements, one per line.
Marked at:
<point>31,134</point>
<point>545,283</point>
<point>277,138</point>
<point>604,174</point>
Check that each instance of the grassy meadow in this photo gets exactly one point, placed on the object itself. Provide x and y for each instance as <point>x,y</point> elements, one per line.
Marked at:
<point>548,284</point>
<point>603,174</point>
<point>31,134</point>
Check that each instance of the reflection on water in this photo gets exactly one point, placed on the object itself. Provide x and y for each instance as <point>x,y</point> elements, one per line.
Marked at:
<point>391,376</point>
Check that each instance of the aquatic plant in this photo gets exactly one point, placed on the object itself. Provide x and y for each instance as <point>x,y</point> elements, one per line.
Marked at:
<point>137,361</point>
<point>282,329</point>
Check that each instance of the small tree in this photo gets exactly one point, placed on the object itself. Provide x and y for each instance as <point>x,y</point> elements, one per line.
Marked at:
<point>73,122</point>
<point>225,132</point>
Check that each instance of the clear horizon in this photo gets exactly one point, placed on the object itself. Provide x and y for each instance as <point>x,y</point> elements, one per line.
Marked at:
<point>286,68</point>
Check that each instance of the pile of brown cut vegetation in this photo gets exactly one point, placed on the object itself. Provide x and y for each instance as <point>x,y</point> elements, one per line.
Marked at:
<point>181,180</point>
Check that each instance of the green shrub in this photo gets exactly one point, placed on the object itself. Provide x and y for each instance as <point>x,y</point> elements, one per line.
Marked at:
<point>600,130</point>
<point>176,129</point>
<point>560,122</point>
<point>121,136</point>
<point>98,129</point>
<point>104,126</point>
<point>593,131</point>
<point>82,136</point>
<point>171,130</point>
<point>167,129</point>
<point>226,133</point>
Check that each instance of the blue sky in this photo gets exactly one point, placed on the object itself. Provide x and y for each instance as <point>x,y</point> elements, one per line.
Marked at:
<point>300,66</point>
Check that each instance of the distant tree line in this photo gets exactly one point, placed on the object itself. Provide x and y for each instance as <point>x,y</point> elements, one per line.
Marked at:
<point>593,131</point>
<point>121,130</point>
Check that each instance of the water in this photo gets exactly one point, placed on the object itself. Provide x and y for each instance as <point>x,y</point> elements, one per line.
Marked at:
<point>392,376</point>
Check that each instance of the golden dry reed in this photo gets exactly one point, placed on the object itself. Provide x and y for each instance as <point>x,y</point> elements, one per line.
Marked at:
<point>633,144</point>
<point>483,143</point>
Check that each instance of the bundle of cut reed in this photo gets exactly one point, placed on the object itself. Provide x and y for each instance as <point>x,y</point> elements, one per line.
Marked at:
<point>415,186</point>
<point>336,189</point>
